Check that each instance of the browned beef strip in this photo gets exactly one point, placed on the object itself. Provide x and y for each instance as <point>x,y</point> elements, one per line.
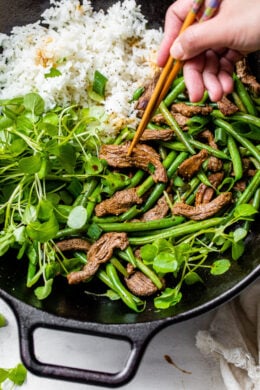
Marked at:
<point>73,244</point>
<point>240,185</point>
<point>191,165</point>
<point>148,90</point>
<point>160,135</point>
<point>120,202</point>
<point>140,285</point>
<point>203,211</point>
<point>100,252</point>
<point>226,106</point>
<point>160,210</point>
<point>246,76</point>
<point>189,111</point>
<point>180,119</point>
<point>214,164</point>
<point>143,156</point>
<point>204,193</point>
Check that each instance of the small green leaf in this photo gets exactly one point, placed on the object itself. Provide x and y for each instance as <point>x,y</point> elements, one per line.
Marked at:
<point>148,253</point>
<point>54,72</point>
<point>239,234</point>
<point>34,103</point>
<point>18,374</point>
<point>44,291</point>
<point>244,210</point>
<point>219,267</point>
<point>30,165</point>
<point>77,217</point>
<point>2,321</point>
<point>93,166</point>
<point>67,157</point>
<point>94,231</point>
<point>165,262</point>
<point>43,232</point>
<point>169,297</point>
<point>192,278</point>
<point>238,249</point>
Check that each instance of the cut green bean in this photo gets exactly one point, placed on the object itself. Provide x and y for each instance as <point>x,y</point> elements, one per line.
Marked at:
<point>140,226</point>
<point>242,140</point>
<point>235,158</point>
<point>214,152</point>
<point>175,127</point>
<point>175,92</point>
<point>177,231</point>
<point>244,96</point>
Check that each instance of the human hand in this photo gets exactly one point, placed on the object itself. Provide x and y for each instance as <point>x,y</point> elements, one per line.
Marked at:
<point>211,48</point>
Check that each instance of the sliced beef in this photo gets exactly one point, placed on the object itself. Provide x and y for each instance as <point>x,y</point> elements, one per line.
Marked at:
<point>180,119</point>
<point>146,95</point>
<point>160,210</point>
<point>120,202</point>
<point>203,211</point>
<point>226,106</point>
<point>214,164</point>
<point>73,244</point>
<point>246,76</point>
<point>189,110</point>
<point>139,284</point>
<point>142,156</point>
<point>191,165</point>
<point>100,252</point>
<point>157,135</point>
<point>205,193</point>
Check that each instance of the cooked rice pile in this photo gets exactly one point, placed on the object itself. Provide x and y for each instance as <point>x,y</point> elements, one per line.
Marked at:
<point>76,40</point>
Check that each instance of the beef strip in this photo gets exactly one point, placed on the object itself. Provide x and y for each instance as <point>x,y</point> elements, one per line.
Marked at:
<point>189,111</point>
<point>214,164</point>
<point>160,210</point>
<point>73,244</point>
<point>100,252</point>
<point>205,193</point>
<point>146,95</point>
<point>191,165</point>
<point>157,135</point>
<point>143,156</point>
<point>120,202</point>
<point>226,106</point>
<point>180,119</point>
<point>246,76</point>
<point>203,211</point>
<point>139,284</point>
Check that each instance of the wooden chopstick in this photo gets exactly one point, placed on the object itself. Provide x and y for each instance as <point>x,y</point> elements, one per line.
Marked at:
<point>167,75</point>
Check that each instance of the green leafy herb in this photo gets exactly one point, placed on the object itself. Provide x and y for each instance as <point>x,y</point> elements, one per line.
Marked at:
<point>54,72</point>
<point>99,83</point>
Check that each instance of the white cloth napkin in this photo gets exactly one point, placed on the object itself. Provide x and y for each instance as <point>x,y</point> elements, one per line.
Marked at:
<point>233,339</point>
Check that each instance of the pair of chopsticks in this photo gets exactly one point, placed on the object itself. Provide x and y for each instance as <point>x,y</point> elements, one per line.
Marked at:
<point>171,69</point>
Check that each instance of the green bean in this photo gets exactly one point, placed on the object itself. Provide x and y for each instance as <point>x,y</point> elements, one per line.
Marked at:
<point>250,189</point>
<point>143,226</point>
<point>124,294</point>
<point>137,93</point>
<point>178,88</point>
<point>118,265</point>
<point>256,205</point>
<point>242,140</point>
<point>220,136</point>
<point>255,162</point>
<point>204,179</point>
<point>244,96</point>
<point>89,187</point>
<point>239,116</point>
<point>175,127</point>
<point>235,158</point>
<point>174,232</point>
<point>135,180</point>
<point>214,152</point>
<point>238,102</point>
<point>178,146</point>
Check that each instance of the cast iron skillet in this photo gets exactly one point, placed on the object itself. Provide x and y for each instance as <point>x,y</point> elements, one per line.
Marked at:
<point>70,309</point>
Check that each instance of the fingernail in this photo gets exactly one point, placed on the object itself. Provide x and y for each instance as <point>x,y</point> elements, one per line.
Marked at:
<point>177,50</point>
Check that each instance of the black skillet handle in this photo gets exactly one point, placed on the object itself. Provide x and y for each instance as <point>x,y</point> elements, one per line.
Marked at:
<point>30,319</point>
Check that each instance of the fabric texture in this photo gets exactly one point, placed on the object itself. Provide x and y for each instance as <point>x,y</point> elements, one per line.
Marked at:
<point>233,339</point>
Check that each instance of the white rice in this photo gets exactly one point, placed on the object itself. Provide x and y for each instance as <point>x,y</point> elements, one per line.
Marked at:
<point>77,41</point>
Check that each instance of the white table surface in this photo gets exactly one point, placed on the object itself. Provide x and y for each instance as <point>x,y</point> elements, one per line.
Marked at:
<point>194,371</point>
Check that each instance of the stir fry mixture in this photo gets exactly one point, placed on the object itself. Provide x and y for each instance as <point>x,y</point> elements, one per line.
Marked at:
<point>145,225</point>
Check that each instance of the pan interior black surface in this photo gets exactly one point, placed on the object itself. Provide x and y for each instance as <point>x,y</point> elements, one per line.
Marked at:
<point>73,302</point>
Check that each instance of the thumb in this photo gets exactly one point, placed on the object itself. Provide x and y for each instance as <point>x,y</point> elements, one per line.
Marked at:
<point>198,38</point>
